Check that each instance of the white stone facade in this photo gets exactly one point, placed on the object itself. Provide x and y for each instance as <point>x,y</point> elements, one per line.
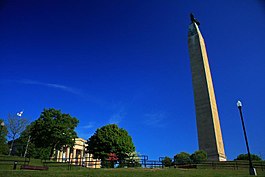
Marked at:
<point>77,155</point>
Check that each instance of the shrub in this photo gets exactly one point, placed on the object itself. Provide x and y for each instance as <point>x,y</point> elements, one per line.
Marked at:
<point>182,158</point>
<point>198,156</point>
<point>167,161</point>
<point>245,157</point>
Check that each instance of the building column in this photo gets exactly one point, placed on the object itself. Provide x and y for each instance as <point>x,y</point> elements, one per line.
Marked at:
<point>74,155</point>
<point>60,156</point>
<point>64,154</point>
<point>57,155</point>
<point>68,154</point>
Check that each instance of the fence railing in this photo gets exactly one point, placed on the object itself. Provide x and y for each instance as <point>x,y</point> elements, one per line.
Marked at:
<point>232,165</point>
<point>235,165</point>
<point>13,161</point>
<point>69,163</point>
<point>142,161</point>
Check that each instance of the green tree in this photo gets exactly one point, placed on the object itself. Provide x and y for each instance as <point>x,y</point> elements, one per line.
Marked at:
<point>198,156</point>
<point>167,161</point>
<point>182,158</point>
<point>53,129</point>
<point>245,157</point>
<point>25,147</point>
<point>3,140</point>
<point>110,139</point>
<point>23,142</point>
<point>38,153</point>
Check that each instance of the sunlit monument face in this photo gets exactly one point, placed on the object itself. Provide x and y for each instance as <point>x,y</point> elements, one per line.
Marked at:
<point>208,125</point>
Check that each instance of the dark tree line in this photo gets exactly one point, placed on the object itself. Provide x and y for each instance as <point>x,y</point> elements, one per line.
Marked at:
<point>186,158</point>
<point>245,157</point>
<point>54,129</point>
<point>49,132</point>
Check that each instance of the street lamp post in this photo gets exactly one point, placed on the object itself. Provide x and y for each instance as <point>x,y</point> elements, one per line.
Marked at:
<point>2,125</point>
<point>252,170</point>
<point>1,128</point>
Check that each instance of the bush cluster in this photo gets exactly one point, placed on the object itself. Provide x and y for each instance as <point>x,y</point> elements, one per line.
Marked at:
<point>185,158</point>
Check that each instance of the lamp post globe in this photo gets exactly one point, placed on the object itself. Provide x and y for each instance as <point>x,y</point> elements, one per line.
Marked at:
<point>239,104</point>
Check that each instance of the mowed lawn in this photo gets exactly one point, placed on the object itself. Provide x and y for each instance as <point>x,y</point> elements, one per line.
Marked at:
<point>139,172</point>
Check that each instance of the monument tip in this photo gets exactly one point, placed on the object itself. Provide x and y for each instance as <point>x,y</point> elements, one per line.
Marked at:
<point>193,19</point>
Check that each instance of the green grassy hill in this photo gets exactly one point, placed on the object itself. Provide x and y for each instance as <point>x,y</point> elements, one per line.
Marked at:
<point>129,173</point>
<point>6,170</point>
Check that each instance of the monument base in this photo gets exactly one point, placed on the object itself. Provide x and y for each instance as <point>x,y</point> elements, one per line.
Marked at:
<point>216,157</point>
<point>252,171</point>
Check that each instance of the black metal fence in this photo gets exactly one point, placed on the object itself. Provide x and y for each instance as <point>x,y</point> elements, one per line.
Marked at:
<point>13,162</point>
<point>72,163</point>
<point>235,165</point>
<point>140,161</point>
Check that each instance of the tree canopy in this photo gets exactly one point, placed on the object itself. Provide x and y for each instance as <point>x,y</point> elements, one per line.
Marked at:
<point>167,161</point>
<point>110,139</point>
<point>32,151</point>
<point>182,158</point>
<point>198,156</point>
<point>245,157</point>
<point>53,129</point>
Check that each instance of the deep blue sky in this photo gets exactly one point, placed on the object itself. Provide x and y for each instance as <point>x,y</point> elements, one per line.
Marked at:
<point>127,62</point>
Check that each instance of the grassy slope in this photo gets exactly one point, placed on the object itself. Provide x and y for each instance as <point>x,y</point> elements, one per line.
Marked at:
<point>6,171</point>
<point>129,173</point>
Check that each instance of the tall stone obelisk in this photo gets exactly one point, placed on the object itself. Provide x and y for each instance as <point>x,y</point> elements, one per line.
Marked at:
<point>208,125</point>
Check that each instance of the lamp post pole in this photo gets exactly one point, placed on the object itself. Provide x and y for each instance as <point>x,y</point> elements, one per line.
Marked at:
<point>252,170</point>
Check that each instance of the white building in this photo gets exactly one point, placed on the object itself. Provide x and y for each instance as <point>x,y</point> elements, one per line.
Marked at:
<point>77,155</point>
